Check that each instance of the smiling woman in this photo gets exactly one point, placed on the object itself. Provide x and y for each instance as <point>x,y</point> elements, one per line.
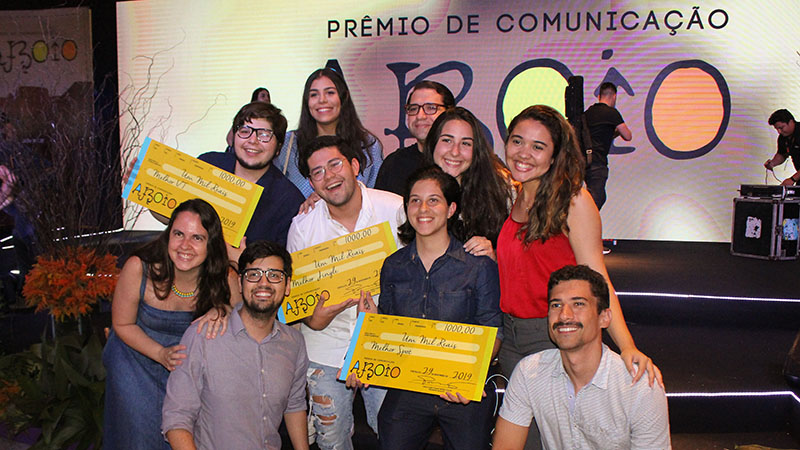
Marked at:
<point>457,144</point>
<point>433,277</point>
<point>162,287</point>
<point>327,109</point>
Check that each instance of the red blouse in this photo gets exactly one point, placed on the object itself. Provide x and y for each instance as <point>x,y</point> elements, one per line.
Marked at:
<point>524,271</point>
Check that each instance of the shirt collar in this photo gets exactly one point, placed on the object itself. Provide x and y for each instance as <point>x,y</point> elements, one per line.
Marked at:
<point>237,326</point>
<point>600,378</point>
<point>454,250</point>
<point>364,215</point>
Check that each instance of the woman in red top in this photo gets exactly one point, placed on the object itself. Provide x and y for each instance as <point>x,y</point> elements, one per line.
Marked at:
<point>553,222</point>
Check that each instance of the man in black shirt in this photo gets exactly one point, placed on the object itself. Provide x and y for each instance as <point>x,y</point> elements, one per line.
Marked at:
<point>426,101</point>
<point>788,144</point>
<point>605,123</point>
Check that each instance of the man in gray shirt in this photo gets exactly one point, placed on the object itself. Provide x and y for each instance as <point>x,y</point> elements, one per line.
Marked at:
<point>233,391</point>
<point>581,394</point>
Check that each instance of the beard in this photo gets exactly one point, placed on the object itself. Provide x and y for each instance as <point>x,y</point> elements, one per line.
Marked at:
<point>260,311</point>
<point>249,166</point>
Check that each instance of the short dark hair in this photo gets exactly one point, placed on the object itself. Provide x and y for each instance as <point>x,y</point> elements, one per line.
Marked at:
<point>447,97</point>
<point>266,111</point>
<point>607,88</point>
<point>452,194</point>
<point>265,249</point>
<point>781,115</point>
<point>597,283</point>
<point>320,142</point>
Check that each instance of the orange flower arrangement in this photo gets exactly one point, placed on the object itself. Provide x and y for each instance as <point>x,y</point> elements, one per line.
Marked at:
<point>71,284</point>
<point>9,390</point>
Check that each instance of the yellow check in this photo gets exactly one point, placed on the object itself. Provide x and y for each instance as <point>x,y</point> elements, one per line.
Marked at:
<point>164,177</point>
<point>337,270</point>
<point>420,355</point>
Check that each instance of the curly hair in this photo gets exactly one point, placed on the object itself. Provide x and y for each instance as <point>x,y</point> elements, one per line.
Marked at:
<point>348,127</point>
<point>452,194</point>
<point>547,216</point>
<point>212,289</point>
<point>485,194</point>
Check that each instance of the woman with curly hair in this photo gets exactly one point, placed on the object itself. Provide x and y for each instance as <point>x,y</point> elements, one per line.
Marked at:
<point>328,109</point>
<point>166,284</point>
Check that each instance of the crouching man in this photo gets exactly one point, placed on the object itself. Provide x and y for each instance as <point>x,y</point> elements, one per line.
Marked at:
<point>233,391</point>
<point>580,394</point>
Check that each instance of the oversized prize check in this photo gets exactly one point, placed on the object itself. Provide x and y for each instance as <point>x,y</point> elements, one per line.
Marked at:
<point>421,355</point>
<point>164,177</point>
<point>337,270</point>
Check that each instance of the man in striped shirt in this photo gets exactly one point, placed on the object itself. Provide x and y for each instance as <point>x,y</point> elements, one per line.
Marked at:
<point>580,394</point>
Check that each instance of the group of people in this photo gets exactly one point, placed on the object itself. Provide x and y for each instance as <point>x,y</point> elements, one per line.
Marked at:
<point>479,240</point>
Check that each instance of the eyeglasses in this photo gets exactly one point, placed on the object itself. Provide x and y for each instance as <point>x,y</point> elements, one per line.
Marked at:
<point>262,134</point>
<point>334,166</point>
<point>274,276</point>
<point>429,108</point>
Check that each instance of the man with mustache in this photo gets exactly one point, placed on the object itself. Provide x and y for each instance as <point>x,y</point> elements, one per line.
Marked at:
<point>233,391</point>
<point>580,394</point>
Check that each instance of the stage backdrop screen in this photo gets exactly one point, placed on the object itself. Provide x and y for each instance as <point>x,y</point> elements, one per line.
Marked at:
<point>696,83</point>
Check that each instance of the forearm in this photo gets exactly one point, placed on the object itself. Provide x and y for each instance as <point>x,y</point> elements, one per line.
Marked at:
<point>618,330</point>
<point>317,323</point>
<point>137,339</point>
<point>181,439</point>
<point>496,348</point>
<point>297,427</point>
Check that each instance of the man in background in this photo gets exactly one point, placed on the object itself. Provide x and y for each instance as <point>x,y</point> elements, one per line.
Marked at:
<point>426,101</point>
<point>788,144</point>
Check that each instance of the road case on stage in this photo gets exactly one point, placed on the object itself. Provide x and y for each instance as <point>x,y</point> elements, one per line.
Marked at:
<point>765,228</point>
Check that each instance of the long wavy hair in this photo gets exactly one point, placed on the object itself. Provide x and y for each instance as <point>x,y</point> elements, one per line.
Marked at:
<point>348,127</point>
<point>548,214</point>
<point>212,289</point>
<point>485,193</point>
<point>451,192</point>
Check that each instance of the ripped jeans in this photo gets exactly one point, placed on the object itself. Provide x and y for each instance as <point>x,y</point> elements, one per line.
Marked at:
<point>332,407</point>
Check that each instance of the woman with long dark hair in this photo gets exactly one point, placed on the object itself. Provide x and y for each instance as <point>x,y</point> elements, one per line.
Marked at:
<point>164,286</point>
<point>457,144</point>
<point>554,222</point>
<point>328,109</point>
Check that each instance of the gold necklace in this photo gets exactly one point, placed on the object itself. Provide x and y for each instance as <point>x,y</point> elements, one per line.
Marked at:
<point>182,294</point>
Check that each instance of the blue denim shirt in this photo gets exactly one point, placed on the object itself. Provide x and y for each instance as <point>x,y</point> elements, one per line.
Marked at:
<point>458,288</point>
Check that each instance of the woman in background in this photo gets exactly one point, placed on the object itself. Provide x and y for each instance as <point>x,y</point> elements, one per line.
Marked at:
<point>328,109</point>
<point>164,286</point>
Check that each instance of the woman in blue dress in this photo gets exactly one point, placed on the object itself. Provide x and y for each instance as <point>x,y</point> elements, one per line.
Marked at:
<point>164,286</point>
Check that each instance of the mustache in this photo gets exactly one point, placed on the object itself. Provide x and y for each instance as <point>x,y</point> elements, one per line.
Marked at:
<point>569,324</point>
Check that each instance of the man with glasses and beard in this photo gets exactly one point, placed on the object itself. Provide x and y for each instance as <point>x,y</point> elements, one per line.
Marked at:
<point>233,391</point>
<point>258,133</point>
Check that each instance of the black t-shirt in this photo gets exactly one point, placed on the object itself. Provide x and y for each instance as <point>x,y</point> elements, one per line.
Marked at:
<point>790,146</point>
<point>602,121</point>
<point>397,167</point>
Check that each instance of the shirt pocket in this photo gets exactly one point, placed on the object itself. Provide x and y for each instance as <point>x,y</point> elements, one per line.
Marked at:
<point>456,305</point>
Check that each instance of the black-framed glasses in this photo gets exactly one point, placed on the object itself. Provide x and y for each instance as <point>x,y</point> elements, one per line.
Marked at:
<point>429,108</point>
<point>262,134</point>
<point>274,276</point>
<point>334,166</point>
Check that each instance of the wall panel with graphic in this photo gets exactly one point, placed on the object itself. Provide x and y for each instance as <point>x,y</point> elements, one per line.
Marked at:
<point>697,83</point>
